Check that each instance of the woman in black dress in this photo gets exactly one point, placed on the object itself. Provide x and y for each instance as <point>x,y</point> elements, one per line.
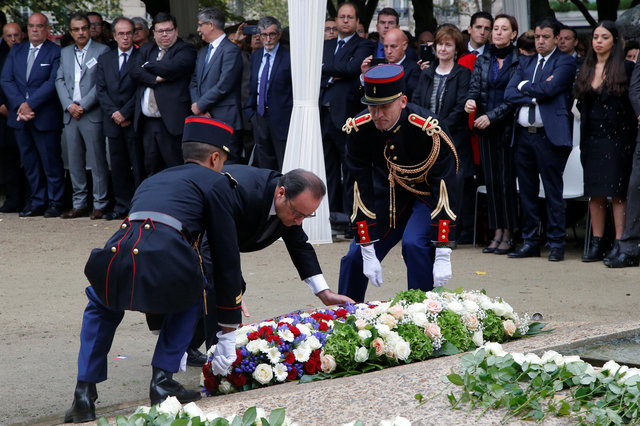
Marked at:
<point>494,120</point>
<point>607,132</point>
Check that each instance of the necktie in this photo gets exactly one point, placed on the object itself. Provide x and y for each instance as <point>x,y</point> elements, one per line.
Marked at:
<point>153,105</point>
<point>536,78</point>
<point>475,52</point>
<point>30,60</point>
<point>124,62</point>
<point>209,51</point>
<point>262,90</point>
<point>340,45</point>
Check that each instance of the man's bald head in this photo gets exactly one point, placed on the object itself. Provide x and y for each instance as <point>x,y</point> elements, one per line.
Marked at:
<point>12,34</point>
<point>395,45</point>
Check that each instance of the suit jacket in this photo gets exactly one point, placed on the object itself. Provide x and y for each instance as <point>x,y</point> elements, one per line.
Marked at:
<point>40,87</point>
<point>4,52</point>
<point>172,95</point>
<point>65,80</point>
<point>342,93</point>
<point>216,88</point>
<point>553,95</point>
<point>116,91</point>
<point>279,90</point>
<point>411,75</point>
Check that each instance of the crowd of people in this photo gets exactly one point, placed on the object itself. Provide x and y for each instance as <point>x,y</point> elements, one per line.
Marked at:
<point>113,99</point>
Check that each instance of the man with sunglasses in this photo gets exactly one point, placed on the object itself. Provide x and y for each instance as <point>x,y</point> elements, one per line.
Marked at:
<point>271,206</point>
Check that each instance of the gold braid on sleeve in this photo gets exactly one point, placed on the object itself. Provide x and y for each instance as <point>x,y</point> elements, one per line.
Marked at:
<point>359,205</point>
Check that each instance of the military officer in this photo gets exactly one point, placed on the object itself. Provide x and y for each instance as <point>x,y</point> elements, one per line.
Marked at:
<point>402,168</point>
<point>153,253</point>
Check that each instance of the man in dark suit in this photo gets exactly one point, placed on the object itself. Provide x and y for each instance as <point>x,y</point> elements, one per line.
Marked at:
<point>10,171</point>
<point>28,81</point>
<point>215,87</point>
<point>270,96</point>
<point>541,87</point>
<point>341,60</point>
<point>76,87</point>
<point>116,94</point>
<point>163,72</point>
<point>272,206</point>
<point>388,19</point>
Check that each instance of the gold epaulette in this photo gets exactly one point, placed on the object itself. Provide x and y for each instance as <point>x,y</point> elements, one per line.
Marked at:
<point>431,127</point>
<point>232,180</point>
<point>353,123</point>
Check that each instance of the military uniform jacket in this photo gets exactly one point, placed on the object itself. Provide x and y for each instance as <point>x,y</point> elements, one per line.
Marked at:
<point>149,252</point>
<point>388,170</point>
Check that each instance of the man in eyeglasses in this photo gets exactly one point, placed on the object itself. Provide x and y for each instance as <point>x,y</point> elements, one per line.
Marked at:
<point>270,96</point>
<point>215,87</point>
<point>141,31</point>
<point>76,87</point>
<point>163,71</point>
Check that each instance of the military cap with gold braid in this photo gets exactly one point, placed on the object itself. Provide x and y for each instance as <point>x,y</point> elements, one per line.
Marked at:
<point>383,84</point>
<point>209,131</point>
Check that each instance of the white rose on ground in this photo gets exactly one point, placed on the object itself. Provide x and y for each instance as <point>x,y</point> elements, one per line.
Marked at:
<point>397,421</point>
<point>572,358</point>
<point>383,330</point>
<point>274,355</point>
<point>415,308</point>
<point>532,358</point>
<point>485,302</point>
<point>192,410</point>
<point>364,334</point>
<point>467,295</point>
<point>503,309</point>
<point>301,354</point>
<point>623,370</point>
<point>225,386</point>
<point>509,327</point>
<point>610,367</point>
<point>280,371</point>
<point>470,306</point>
<point>286,335</point>
<point>494,348</point>
<point>477,338</point>
<point>549,356</point>
<point>170,406</point>
<point>402,350</point>
<point>304,329</point>
<point>396,311</point>
<point>143,409</point>
<point>388,320</point>
<point>211,416</point>
<point>327,363</point>
<point>590,370</point>
<point>433,331</point>
<point>455,307</point>
<point>313,343</point>
<point>470,321</point>
<point>518,357</point>
<point>361,324</point>
<point>263,373</point>
<point>362,354</point>
<point>419,319</point>
<point>382,308</point>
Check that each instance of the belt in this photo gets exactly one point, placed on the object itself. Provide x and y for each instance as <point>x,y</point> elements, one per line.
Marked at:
<point>162,218</point>
<point>533,129</point>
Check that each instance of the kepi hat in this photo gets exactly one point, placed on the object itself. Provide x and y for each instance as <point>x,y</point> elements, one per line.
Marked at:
<point>209,131</point>
<point>383,84</point>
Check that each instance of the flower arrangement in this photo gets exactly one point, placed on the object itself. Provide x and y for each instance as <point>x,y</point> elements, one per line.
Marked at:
<point>533,387</point>
<point>358,338</point>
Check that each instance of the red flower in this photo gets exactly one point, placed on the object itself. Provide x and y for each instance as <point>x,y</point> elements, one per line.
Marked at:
<point>237,379</point>
<point>206,370</point>
<point>211,384</point>
<point>265,331</point>
<point>310,367</point>
<point>342,313</point>
<point>293,374</point>
<point>238,360</point>
<point>274,338</point>
<point>253,335</point>
<point>323,326</point>
<point>319,316</point>
<point>294,330</point>
<point>290,358</point>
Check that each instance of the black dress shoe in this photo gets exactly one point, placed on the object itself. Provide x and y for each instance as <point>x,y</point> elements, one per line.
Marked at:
<point>556,254</point>
<point>490,249</point>
<point>623,260</point>
<point>31,212</point>
<point>75,213</point>
<point>510,248</point>
<point>83,408</point>
<point>615,251</point>
<point>7,207</point>
<point>52,211</point>
<point>195,358</point>
<point>114,216</point>
<point>525,250</point>
<point>596,251</point>
<point>162,386</point>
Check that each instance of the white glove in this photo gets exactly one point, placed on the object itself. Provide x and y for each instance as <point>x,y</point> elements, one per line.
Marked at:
<point>442,267</point>
<point>225,353</point>
<point>371,265</point>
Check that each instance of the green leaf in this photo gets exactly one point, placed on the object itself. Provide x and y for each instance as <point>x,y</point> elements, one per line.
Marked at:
<point>276,417</point>
<point>102,421</point>
<point>180,422</point>
<point>455,379</point>
<point>418,397</point>
<point>446,349</point>
<point>237,421</point>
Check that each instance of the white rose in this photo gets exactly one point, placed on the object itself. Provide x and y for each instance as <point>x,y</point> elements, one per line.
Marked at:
<point>509,327</point>
<point>518,357</point>
<point>286,335</point>
<point>280,371</point>
<point>477,338</point>
<point>361,354</point>
<point>611,367</point>
<point>397,421</point>
<point>361,324</point>
<point>288,320</point>
<point>313,343</point>
<point>305,346</point>
<point>485,302</point>
<point>170,406</point>
<point>455,307</point>
<point>419,319</point>
<point>503,309</point>
<point>192,410</point>
<point>388,320</point>
<point>470,321</point>
<point>225,387</point>
<point>402,350</point>
<point>572,358</point>
<point>433,331</point>
<point>304,329</point>
<point>263,345</point>
<point>143,409</point>
<point>470,306</point>
<point>211,416</point>
<point>327,363</point>
<point>433,306</point>
<point>590,370</point>
<point>263,373</point>
<point>532,358</point>
<point>396,311</point>
<point>274,355</point>
<point>494,349</point>
<point>467,295</point>
<point>382,308</point>
<point>383,330</point>
<point>241,339</point>
<point>301,354</point>
<point>549,356</point>
<point>415,308</point>
<point>623,369</point>
<point>364,334</point>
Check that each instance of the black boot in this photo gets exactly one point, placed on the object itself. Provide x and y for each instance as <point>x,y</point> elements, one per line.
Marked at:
<point>195,358</point>
<point>615,251</point>
<point>83,408</point>
<point>596,251</point>
<point>162,385</point>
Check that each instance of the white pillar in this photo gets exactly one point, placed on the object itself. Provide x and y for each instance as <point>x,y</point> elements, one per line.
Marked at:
<point>520,10</point>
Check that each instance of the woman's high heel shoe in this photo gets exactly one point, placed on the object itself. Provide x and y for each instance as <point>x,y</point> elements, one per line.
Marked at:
<point>491,249</point>
<point>509,249</point>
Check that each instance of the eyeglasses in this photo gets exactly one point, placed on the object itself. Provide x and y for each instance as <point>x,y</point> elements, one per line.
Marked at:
<point>296,214</point>
<point>331,29</point>
<point>167,31</point>
<point>270,35</point>
<point>77,30</point>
